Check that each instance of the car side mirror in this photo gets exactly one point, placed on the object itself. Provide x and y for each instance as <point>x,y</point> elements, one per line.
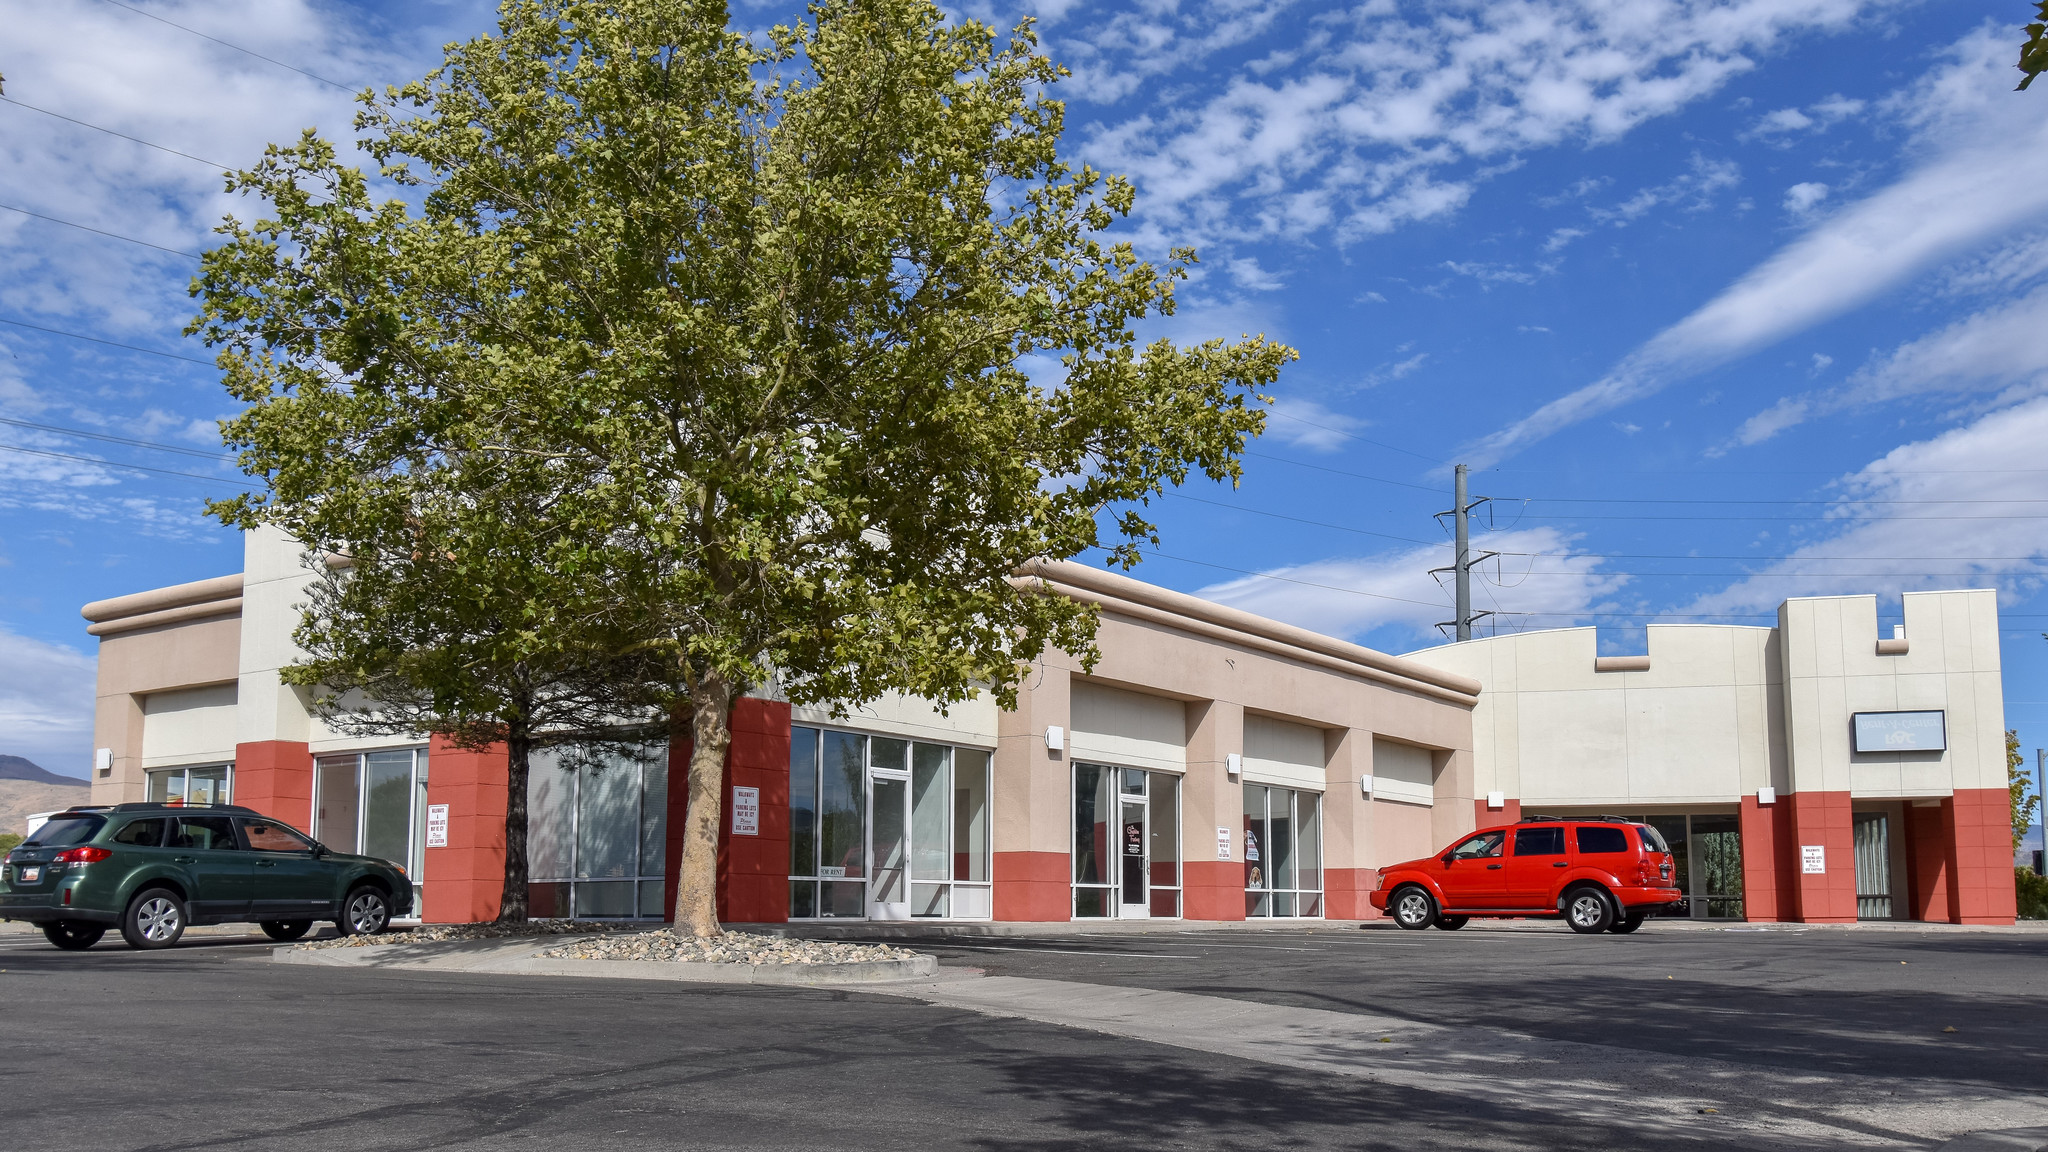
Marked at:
<point>319,850</point>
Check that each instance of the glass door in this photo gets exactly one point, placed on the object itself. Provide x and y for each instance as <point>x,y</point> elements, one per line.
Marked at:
<point>1132,881</point>
<point>1873,866</point>
<point>375,804</point>
<point>889,889</point>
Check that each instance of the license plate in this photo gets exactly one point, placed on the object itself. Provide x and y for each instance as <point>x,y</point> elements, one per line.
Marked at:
<point>31,875</point>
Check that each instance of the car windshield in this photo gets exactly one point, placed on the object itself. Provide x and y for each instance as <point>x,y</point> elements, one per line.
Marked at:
<point>1651,840</point>
<point>64,831</point>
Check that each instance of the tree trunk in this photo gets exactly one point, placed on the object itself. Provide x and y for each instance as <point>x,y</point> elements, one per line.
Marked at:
<point>518,758</point>
<point>711,735</point>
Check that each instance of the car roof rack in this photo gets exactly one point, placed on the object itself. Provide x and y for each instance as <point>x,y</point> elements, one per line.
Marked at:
<point>1540,820</point>
<point>86,808</point>
<point>166,805</point>
<point>1616,820</point>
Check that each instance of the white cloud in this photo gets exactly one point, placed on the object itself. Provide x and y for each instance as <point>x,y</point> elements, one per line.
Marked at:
<point>1562,237</point>
<point>1817,117</point>
<point>1392,114</point>
<point>1692,191</point>
<point>1252,278</point>
<point>1967,502</point>
<point>1307,424</point>
<point>1800,199</point>
<point>1985,173</point>
<point>46,702</point>
<point>1350,597</point>
<point>1490,274</point>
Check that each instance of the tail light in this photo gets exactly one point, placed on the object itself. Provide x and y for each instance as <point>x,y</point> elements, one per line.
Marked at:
<point>86,854</point>
<point>1645,872</point>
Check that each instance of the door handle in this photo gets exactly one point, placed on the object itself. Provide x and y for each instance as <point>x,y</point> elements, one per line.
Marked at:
<point>1493,867</point>
<point>184,859</point>
<point>266,863</point>
<point>1562,864</point>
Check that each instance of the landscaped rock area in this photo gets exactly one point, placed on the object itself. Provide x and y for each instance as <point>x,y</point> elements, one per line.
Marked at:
<point>491,931</point>
<point>731,948</point>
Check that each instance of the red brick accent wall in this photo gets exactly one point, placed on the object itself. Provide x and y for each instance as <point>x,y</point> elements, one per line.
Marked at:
<point>1486,817</point>
<point>1769,861</point>
<point>1212,889</point>
<point>1824,818</point>
<point>753,871</point>
<point>1930,862</point>
<point>464,880</point>
<point>1983,857</point>
<point>275,777</point>
<point>1035,886</point>
<point>1344,893</point>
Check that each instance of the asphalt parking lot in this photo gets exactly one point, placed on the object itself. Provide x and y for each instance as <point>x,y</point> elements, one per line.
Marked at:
<point>210,1045</point>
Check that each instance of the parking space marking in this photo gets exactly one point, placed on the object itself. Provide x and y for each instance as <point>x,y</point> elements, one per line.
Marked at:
<point>1062,951</point>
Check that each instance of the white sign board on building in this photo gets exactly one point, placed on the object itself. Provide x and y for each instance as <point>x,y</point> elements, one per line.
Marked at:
<point>1813,859</point>
<point>437,825</point>
<point>746,811</point>
<point>1223,843</point>
<point>1901,731</point>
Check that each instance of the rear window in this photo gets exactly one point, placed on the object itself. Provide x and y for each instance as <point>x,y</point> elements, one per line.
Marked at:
<point>1539,841</point>
<point>1594,840</point>
<point>64,831</point>
<point>1651,840</point>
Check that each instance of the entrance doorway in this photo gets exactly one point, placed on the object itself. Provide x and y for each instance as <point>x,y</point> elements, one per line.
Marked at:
<point>1873,866</point>
<point>889,888</point>
<point>1126,842</point>
<point>375,804</point>
<point>1135,903</point>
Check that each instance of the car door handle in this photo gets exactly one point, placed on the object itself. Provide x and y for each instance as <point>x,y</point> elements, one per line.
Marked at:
<point>266,863</point>
<point>1561,864</point>
<point>1493,867</point>
<point>184,859</point>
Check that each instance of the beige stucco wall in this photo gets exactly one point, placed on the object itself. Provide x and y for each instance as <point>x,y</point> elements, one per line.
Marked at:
<point>1832,670</point>
<point>134,665</point>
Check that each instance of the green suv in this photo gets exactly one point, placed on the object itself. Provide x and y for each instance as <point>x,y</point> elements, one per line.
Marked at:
<point>152,869</point>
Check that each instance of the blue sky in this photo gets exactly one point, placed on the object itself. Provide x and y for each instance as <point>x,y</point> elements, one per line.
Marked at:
<point>1724,302</point>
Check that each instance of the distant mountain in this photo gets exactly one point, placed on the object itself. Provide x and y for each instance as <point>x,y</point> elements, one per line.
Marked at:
<point>18,768</point>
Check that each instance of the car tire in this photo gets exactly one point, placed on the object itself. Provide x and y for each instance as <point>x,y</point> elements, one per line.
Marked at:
<point>73,935</point>
<point>286,931</point>
<point>1624,925</point>
<point>1452,923</point>
<point>1413,908</point>
<point>154,919</point>
<point>1588,910</point>
<point>366,912</point>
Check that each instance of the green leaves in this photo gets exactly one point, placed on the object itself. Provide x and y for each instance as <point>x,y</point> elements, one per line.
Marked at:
<point>701,360</point>
<point>2034,52</point>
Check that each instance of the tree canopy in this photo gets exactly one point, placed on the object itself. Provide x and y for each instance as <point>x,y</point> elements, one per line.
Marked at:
<point>801,342</point>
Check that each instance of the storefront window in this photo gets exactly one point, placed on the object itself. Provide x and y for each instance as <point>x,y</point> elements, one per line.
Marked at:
<point>1706,855</point>
<point>597,835</point>
<point>1126,848</point>
<point>1283,868</point>
<point>208,785</point>
<point>886,828</point>
<point>374,804</point>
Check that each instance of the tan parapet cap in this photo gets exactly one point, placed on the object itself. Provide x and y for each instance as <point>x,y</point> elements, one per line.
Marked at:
<point>1621,663</point>
<point>232,606</point>
<point>156,600</point>
<point>1192,613</point>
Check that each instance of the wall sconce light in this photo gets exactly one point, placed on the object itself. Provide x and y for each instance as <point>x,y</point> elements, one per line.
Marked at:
<point>1233,763</point>
<point>1055,738</point>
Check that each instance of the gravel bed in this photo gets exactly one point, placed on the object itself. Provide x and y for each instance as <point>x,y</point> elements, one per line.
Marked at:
<point>731,948</point>
<point>434,932</point>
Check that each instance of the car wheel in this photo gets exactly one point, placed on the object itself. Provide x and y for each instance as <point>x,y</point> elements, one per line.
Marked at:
<point>364,913</point>
<point>1626,924</point>
<point>155,919</point>
<point>73,935</point>
<point>1452,923</point>
<point>1413,909</point>
<point>286,931</point>
<point>1588,910</point>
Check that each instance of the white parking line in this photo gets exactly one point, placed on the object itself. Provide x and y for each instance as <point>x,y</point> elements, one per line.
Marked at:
<point>1061,951</point>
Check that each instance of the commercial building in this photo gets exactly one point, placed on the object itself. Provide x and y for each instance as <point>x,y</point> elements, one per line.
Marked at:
<point>1212,765</point>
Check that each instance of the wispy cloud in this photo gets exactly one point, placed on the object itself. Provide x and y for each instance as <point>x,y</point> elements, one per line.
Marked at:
<point>46,693</point>
<point>1986,173</point>
<point>1307,424</point>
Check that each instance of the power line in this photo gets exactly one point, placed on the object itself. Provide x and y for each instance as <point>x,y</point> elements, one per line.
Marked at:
<point>1315,523</point>
<point>202,454</point>
<point>123,135</point>
<point>1352,436</point>
<point>112,464</point>
<point>109,343</point>
<point>1793,519</point>
<point>100,231</point>
<point>236,47</point>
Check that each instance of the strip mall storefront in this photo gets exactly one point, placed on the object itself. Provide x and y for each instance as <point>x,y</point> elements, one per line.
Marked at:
<point>1212,766</point>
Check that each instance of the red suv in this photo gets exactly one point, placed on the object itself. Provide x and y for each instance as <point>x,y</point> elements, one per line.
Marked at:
<point>1601,875</point>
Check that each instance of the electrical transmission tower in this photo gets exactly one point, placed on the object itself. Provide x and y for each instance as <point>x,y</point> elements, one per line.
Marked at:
<point>1461,512</point>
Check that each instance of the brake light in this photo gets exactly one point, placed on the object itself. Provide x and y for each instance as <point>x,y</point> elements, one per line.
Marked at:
<point>1645,872</point>
<point>83,855</point>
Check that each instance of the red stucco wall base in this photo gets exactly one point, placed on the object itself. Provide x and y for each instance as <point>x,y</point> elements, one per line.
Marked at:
<point>464,881</point>
<point>1032,886</point>
<point>275,777</point>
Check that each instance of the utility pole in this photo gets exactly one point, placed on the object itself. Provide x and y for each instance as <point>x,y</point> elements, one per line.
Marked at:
<point>2041,809</point>
<point>1461,567</point>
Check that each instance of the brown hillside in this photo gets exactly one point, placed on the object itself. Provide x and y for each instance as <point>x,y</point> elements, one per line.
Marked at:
<point>18,798</point>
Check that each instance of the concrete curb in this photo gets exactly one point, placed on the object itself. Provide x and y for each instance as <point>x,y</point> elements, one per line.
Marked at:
<point>518,958</point>
<point>2004,1140</point>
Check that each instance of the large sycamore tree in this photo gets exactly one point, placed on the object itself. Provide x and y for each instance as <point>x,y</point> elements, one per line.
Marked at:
<point>813,339</point>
